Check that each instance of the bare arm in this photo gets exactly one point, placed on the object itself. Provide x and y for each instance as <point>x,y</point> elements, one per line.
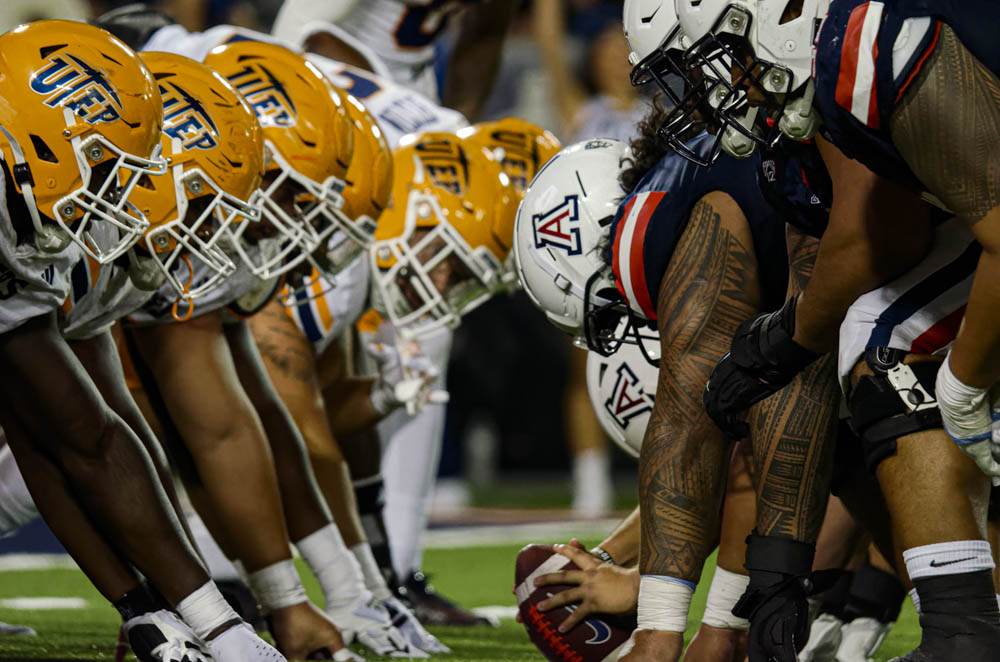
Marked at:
<point>710,287</point>
<point>877,231</point>
<point>476,58</point>
<point>550,35</point>
<point>623,543</point>
<point>948,130</point>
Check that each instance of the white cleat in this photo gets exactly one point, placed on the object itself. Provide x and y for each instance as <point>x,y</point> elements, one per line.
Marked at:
<point>8,630</point>
<point>861,638</point>
<point>368,622</point>
<point>160,636</point>
<point>241,644</point>
<point>824,639</point>
<point>415,633</point>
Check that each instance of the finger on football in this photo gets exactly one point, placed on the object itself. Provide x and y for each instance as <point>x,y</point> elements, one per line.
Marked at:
<point>560,577</point>
<point>581,557</point>
<point>580,613</point>
<point>561,599</point>
<point>576,543</point>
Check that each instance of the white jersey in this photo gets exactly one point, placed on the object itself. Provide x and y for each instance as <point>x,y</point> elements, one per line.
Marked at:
<point>402,32</point>
<point>332,306</point>
<point>159,309</point>
<point>397,109</point>
<point>919,312</point>
<point>32,282</point>
<point>100,296</point>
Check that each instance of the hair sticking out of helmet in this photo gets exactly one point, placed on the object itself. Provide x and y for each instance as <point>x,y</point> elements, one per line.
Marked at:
<point>440,246</point>
<point>81,125</point>
<point>309,143</point>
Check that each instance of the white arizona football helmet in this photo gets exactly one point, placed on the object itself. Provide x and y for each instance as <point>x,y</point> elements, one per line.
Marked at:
<point>621,389</point>
<point>771,43</point>
<point>560,238</point>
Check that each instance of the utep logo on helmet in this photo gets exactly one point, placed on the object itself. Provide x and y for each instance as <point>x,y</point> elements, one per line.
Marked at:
<point>628,399</point>
<point>558,227</point>
<point>69,82</point>
<point>266,95</point>
<point>185,119</point>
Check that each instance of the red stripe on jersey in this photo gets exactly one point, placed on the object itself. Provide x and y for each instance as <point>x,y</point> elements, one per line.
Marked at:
<point>849,57</point>
<point>920,63</point>
<point>638,265</point>
<point>616,249</point>
<point>940,334</point>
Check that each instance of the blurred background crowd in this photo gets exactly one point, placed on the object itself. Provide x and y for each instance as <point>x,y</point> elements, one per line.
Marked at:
<point>520,429</point>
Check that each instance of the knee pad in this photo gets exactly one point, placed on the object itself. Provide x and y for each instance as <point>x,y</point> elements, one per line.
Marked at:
<point>897,400</point>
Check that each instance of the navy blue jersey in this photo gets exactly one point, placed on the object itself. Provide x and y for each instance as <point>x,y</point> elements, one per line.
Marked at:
<point>795,181</point>
<point>651,219</point>
<point>867,55</point>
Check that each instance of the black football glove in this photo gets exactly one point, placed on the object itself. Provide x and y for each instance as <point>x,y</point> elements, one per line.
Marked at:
<point>762,359</point>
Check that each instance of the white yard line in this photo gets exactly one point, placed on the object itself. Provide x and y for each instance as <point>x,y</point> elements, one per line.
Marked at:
<point>37,604</point>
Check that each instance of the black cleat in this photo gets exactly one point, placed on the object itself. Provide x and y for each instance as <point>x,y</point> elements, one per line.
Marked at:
<point>433,609</point>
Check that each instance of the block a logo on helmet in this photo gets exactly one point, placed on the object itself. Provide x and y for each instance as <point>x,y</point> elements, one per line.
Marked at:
<point>550,231</point>
<point>628,398</point>
<point>266,95</point>
<point>185,118</point>
<point>69,82</point>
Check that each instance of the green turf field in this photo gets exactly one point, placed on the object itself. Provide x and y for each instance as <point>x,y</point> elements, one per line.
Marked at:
<point>478,576</point>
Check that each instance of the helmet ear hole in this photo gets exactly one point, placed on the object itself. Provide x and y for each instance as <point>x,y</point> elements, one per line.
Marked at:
<point>42,150</point>
<point>791,12</point>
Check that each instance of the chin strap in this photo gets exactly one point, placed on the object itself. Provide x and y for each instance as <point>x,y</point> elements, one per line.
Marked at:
<point>187,288</point>
<point>48,238</point>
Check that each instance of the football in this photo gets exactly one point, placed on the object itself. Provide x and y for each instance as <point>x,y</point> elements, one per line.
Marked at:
<point>597,639</point>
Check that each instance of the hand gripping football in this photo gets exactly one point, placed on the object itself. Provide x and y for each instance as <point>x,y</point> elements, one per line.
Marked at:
<point>597,639</point>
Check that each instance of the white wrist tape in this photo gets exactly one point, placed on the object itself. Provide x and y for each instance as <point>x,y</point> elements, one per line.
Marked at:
<point>664,603</point>
<point>964,408</point>
<point>726,590</point>
<point>278,586</point>
<point>205,610</point>
<point>382,397</point>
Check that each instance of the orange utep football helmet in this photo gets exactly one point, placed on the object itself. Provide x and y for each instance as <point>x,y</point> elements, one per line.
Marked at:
<point>309,142</point>
<point>440,246</point>
<point>215,152</point>
<point>79,125</point>
<point>521,147</point>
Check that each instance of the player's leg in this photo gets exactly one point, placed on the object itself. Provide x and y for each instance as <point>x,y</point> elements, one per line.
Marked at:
<point>197,380</point>
<point>590,453</point>
<point>873,604</point>
<point>938,500</point>
<point>722,636</point>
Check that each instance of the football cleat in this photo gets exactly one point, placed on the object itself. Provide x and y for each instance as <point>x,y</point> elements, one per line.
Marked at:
<point>368,622</point>
<point>241,644</point>
<point>160,636</point>
<point>433,609</point>
<point>404,621</point>
<point>8,630</point>
<point>861,638</point>
<point>824,639</point>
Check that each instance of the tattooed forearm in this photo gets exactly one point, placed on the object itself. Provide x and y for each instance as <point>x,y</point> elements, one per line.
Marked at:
<point>709,288</point>
<point>282,346</point>
<point>793,432</point>
<point>947,128</point>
